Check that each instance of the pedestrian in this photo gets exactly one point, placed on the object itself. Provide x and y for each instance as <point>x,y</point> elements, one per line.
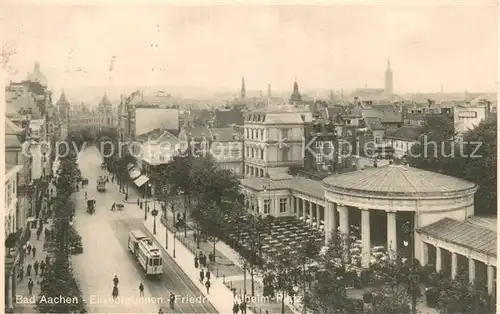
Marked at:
<point>202,275</point>
<point>85,194</point>
<point>172,300</point>
<point>137,201</point>
<point>196,262</point>
<point>126,196</point>
<point>33,250</point>
<point>116,281</point>
<point>42,267</point>
<point>211,258</point>
<point>47,234</point>
<point>28,270</point>
<point>21,273</point>
<point>243,307</point>
<point>30,286</point>
<point>28,249</point>
<point>207,275</point>
<point>38,233</point>
<point>207,284</point>
<point>47,260</point>
<point>141,289</point>
<point>194,236</point>
<point>236,308</point>
<point>35,267</point>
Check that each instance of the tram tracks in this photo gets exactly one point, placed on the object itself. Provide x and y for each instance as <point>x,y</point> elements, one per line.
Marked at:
<point>173,279</point>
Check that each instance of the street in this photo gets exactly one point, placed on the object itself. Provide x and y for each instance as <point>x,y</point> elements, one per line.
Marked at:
<point>105,235</point>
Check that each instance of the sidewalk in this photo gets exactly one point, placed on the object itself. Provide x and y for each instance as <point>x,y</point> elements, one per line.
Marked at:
<point>229,269</point>
<point>22,286</point>
<point>220,296</point>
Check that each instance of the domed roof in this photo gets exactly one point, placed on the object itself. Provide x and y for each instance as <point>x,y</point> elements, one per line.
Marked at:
<point>397,180</point>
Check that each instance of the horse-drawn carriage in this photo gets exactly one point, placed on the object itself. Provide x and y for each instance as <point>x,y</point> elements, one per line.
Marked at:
<point>90,206</point>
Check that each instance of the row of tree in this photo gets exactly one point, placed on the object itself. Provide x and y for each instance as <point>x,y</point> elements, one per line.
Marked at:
<point>59,280</point>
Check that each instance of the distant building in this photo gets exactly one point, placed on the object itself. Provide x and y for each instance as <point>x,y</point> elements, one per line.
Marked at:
<point>403,139</point>
<point>468,117</point>
<point>295,97</point>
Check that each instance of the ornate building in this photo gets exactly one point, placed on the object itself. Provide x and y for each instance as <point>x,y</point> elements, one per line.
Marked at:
<point>296,97</point>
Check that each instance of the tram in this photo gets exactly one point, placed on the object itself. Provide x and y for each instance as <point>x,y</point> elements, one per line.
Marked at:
<point>145,252</point>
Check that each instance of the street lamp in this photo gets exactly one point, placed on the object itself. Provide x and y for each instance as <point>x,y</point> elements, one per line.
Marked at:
<point>146,201</point>
<point>244,280</point>
<point>164,209</point>
<point>175,225</point>
<point>407,228</point>
<point>154,212</point>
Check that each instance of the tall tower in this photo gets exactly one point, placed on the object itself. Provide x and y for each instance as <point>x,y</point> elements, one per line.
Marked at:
<point>243,91</point>
<point>388,80</point>
<point>296,97</point>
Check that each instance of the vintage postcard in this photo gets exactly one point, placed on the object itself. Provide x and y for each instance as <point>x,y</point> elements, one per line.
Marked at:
<point>312,158</point>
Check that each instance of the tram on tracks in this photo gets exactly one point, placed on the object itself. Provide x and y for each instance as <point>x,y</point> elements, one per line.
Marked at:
<point>145,252</point>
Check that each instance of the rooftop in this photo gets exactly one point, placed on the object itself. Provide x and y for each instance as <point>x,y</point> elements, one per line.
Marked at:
<point>398,180</point>
<point>405,133</point>
<point>464,233</point>
<point>225,134</point>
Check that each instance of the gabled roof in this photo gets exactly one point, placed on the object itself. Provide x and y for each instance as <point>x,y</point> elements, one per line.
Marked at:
<point>405,133</point>
<point>225,118</point>
<point>464,233</point>
<point>391,117</point>
<point>62,100</point>
<point>225,134</point>
<point>374,124</point>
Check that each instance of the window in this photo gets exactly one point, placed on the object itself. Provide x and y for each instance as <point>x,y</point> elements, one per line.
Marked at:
<point>283,205</point>
<point>284,153</point>
<point>262,154</point>
<point>262,134</point>
<point>319,158</point>
<point>284,133</point>
<point>267,206</point>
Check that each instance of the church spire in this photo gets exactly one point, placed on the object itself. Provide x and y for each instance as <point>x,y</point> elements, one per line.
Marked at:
<point>296,97</point>
<point>243,90</point>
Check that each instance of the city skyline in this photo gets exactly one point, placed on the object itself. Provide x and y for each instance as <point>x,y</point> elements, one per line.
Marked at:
<point>322,47</point>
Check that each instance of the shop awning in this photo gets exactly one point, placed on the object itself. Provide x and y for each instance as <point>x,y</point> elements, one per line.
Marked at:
<point>141,180</point>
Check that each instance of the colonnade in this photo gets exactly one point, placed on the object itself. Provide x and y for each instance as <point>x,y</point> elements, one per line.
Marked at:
<point>309,209</point>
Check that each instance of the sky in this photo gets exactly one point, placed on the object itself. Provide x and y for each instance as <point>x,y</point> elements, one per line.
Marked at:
<point>321,46</point>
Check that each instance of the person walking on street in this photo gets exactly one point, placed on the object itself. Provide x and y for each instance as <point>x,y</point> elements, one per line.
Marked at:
<point>47,260</point>
<point>207,275</point>
<point>28,270</point>
<point>207,284</point>
<point>33,250</point>
<point>172,300</point>
<point>116,281</point>
<point>141,289</point>
<point>35,267</point>
<point>38,233</point>
<point>28,249</point>
<point>236,308</point>
<point>202,275</point>
<point>42,268</point>
<point>30,286</point>
<point>21,273</point>
<point>85,194</point>
<point>196,261</point>
<point>243,307</point>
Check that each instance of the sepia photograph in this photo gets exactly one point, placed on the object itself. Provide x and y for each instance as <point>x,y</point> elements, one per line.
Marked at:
<point>250,157</point>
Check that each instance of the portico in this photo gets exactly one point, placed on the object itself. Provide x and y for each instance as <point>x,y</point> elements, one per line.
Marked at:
<point>407,196</point>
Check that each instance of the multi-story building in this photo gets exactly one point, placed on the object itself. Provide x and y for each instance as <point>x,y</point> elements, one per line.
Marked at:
<point>467,117</point>
<point>13,216</point>
<point>403,139</point>
<point>83,117</point>
<point>273,139</point>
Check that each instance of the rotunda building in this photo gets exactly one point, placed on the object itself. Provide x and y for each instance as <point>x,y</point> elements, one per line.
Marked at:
<point>393,202</point>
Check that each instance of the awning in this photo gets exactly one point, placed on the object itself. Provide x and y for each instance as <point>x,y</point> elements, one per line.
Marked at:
<point>141,180</point>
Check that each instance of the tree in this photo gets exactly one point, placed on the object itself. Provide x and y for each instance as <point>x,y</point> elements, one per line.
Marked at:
<point>459,296</point>
<point>211,222</point>
<point>59,282</point>
<point>307,253</point>
<point>460,159</point>
<point>280,274</point>
<point>328,293</point>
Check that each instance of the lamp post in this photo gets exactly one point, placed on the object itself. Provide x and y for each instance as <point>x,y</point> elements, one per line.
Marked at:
<point>244,280</point>
<point>154,212</point>
<point>175,225</point>
<point>408,229</point>
<point>146,202</point>
<point>164,208</point>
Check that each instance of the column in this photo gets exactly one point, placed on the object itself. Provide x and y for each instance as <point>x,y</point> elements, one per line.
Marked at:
<point>472,270</point>
<point>391,233</point>
<point>439,262</point>
<point>344,219</point>
<point>8,302</point>
<point>491,274</point>
<point>311,207</point>
<point>261,206</point>
<point>303,209</point>
<point>328,223</point>
<point>297,206</point>
<point>365,238</point>
<point>424,253</point>
<point>453,265</point>
<point>318,216</point>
